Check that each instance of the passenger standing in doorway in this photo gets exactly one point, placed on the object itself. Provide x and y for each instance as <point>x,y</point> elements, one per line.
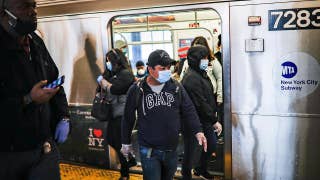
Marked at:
<point>116,81</point>
<point>141,69</point>
<point>33,118</point>
<point>162,106</point>
<point>218,53</point>
<point>199,87</point>
<point>214,69</point>
<point>122,46</point>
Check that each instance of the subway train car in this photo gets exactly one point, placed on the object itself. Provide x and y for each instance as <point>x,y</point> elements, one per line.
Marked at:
<point>271,74</point>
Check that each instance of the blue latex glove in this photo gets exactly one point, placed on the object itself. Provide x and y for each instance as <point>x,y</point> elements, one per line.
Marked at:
<point>62,131</point>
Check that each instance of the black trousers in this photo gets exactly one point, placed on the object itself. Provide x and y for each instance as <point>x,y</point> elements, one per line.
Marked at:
<point>114,140</point>
<point>191,150</point>
<point>30,165</point>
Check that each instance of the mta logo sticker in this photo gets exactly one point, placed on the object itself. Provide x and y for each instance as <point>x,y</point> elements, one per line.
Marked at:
<point>289,69</point>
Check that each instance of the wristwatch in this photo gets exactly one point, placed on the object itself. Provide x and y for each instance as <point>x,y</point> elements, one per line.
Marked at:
<point>27,99</point>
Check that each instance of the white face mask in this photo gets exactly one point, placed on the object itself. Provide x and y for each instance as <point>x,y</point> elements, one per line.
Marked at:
<point>141,72</point>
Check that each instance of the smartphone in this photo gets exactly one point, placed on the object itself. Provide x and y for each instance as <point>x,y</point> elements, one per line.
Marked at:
<point>55,83</point>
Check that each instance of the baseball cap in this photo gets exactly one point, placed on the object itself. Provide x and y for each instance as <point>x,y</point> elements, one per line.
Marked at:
<point>159,57</point>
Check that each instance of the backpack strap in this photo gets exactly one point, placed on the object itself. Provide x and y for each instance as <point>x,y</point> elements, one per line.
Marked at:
<point>178,89</point>
<point>139,91</point>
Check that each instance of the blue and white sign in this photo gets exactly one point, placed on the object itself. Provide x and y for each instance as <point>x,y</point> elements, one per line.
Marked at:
<point>289,69</point>
<point>296,74</point>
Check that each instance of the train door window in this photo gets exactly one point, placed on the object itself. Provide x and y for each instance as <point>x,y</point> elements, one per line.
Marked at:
<point>172,31</point>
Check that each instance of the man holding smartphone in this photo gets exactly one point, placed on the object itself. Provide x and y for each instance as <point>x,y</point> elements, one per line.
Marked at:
<point>33,118</point>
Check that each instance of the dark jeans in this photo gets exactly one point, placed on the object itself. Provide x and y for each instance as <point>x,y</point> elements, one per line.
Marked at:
<point>30,165</point>
<point>114,140</point>
<point>190,148</point>
<point>157,164</point>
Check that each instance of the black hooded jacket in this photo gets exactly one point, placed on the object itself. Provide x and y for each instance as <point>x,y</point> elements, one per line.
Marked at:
<point>25,127</point>
<point>199,87</point>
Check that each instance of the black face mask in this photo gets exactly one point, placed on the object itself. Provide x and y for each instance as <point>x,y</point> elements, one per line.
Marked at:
<point>20,27</point>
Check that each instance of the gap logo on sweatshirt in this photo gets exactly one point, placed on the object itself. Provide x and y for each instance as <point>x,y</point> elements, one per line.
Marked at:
<point>161,99</point>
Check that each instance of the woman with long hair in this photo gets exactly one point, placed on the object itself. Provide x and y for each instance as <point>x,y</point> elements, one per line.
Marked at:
<point>116,81</point>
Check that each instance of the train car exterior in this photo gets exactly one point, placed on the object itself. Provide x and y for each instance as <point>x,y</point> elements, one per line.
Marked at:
<point>271,77</point>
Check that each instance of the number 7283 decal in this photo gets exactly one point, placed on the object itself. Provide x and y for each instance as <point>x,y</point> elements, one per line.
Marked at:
<point>294,19</point>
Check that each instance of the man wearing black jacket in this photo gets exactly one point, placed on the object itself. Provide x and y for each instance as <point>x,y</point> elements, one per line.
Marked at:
<point>199,88</point>
<point>162,106</point>
<point>32,117</point>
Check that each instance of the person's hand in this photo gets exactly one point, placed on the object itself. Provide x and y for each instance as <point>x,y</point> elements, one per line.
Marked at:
<point>202,140</point>
<point>41,95</point>
<point>218,128</point>
<point>105,84</point>
<point>62,131</point>
<point>126,149</point>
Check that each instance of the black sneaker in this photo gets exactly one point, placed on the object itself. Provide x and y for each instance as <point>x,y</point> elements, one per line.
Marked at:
<point>220,140</point>
<point>205,175</point>
<point>132,161</point>
<point>212,159</point>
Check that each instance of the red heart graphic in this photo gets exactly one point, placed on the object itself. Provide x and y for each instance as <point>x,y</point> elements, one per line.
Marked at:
<point>97,132</point>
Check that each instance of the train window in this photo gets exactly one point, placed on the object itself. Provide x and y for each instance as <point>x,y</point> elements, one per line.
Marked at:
<point>139,44</point>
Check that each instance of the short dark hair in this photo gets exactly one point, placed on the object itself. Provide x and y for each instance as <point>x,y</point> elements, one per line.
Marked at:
<point>139,63</point>
<point>219,40</point>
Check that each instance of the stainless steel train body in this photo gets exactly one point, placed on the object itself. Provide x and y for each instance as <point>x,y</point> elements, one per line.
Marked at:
<point>271,74</point>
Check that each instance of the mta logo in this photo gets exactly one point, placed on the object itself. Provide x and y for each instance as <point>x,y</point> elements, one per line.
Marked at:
<point>289,69</point>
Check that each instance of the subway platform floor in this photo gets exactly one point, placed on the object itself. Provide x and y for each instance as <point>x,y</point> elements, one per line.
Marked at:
<point>77,172</point>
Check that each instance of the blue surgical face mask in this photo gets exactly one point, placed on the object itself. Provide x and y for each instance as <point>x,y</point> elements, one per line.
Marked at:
<point>125,51</point>
<point>204,64</point>
<point>109,66</point>
<point>164,76</point>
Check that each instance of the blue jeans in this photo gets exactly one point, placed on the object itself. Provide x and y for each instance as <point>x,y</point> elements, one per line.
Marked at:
<point>157,164</point>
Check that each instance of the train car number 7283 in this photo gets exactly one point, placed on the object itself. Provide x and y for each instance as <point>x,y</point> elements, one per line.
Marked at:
<point>294,19</point>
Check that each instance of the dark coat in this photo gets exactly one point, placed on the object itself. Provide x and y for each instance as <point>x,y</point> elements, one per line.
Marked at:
<point>26,127</point>
<point>199,87</point>
<point>121,81</point>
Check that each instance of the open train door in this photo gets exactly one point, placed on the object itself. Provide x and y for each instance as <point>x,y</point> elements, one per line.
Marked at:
<point>172,28</point>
